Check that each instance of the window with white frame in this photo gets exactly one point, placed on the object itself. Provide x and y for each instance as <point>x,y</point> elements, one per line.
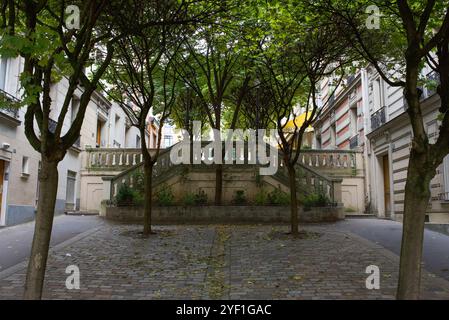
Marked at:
<point>3,72</point>
<point>168,141</point>
<point>25,165</point>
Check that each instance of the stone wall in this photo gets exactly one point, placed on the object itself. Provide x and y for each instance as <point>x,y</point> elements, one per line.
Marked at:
<point>224,214</point>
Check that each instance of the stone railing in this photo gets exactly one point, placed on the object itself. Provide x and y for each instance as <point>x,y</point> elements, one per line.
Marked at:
<point>116,159</point>
<point>128,176</point>
<point>334,159</point>
<point>310,181</point>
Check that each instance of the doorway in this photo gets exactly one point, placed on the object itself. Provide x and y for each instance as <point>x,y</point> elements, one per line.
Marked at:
<point>70,190</point>
<point>3,190</point>
<point>387,185</point>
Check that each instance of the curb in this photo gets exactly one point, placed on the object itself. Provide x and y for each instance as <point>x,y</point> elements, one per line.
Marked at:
<point>22,265</point>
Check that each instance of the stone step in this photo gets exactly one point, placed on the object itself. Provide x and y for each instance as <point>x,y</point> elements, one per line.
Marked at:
<point>81,213</point>
<point>359,215</point>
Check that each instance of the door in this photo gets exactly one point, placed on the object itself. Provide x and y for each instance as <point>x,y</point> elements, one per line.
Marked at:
<point>2,173</point>
<point>386,174</point>
<point>99,125</point>
<point>70,190</point>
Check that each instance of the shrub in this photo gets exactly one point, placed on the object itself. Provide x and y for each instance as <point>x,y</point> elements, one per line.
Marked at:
<point>188,199</point>
<point>138,182</point>
<point>315,200</point>
<point>239,197</point>
<point>200,197</point>
<point>278,197</point>
<point>261,198</point>
<point>127,196</point>
<point>164,196</point>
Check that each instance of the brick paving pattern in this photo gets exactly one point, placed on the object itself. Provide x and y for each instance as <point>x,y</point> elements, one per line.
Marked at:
<point>221,262</point>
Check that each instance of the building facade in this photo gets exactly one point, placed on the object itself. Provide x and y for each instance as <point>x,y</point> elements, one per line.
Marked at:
<point>388,146</point>
<point>105,126</point>
<point>368,115</point>
<point>340,128</point>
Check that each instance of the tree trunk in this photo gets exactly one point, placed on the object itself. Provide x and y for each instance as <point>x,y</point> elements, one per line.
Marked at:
<point>417,195</point>
<point>293,200</point>
<point>218,184</point>
<point>48,188</point>
<point>148,197</point>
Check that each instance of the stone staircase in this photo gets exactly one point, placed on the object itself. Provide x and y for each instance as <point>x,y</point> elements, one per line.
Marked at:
<point>236,176</point>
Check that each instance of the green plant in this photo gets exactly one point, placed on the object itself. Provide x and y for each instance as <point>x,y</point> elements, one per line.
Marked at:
<point>127,196</point>
<point>188,199</point>
<point>278,197</point>
<point>261,197</point>
<point>138,182</point>
<point>164,196</point>
<point>239,197</point>
<point>315,200</point>
<point>200,197</point>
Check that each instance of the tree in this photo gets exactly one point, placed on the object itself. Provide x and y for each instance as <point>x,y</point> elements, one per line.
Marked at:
<point>37,31</point>
<point>295,53</point>
<point>412,34</point>
<point>208,65</point>
<point>187,109</point>
<point>141,77</point>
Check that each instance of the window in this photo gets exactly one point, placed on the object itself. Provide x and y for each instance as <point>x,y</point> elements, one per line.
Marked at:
<point>168,141</point>
<point>99,128</point>
<point>377,94</point>
<point>75,108</point>
<point>353,121</point>
<point>38,182</point>
<point>3,67</point>
<point>137,142</point>
<point>333,133</point>
<point>25,166</point>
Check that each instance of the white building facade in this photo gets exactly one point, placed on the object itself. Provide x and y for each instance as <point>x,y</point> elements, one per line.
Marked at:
<point>105,126</point>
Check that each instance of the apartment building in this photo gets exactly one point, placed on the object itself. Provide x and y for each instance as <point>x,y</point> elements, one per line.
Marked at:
<point>105,126</point>
<point>389,141</point>
<point>368,115</point>
<point>340,130</point>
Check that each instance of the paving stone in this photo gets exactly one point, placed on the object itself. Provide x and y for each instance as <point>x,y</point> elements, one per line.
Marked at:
<point>222,262</point>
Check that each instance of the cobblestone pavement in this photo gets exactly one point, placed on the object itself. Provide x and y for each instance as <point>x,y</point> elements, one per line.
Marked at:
<point>227,262</point>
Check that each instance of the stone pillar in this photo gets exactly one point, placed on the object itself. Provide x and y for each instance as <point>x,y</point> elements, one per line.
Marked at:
<point>107,194</point>
<point>337,192</point>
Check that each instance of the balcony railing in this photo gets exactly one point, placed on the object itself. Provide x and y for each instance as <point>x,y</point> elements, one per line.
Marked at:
<point>435,79</point>
<point>52,127</point>
<point>444,196</point>
<point>9,104</point>
<point>354,142</point>
<point>378,118</point>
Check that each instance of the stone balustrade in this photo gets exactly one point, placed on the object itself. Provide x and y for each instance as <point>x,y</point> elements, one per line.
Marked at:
<point>331,159</point>
<point>116,159</point>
